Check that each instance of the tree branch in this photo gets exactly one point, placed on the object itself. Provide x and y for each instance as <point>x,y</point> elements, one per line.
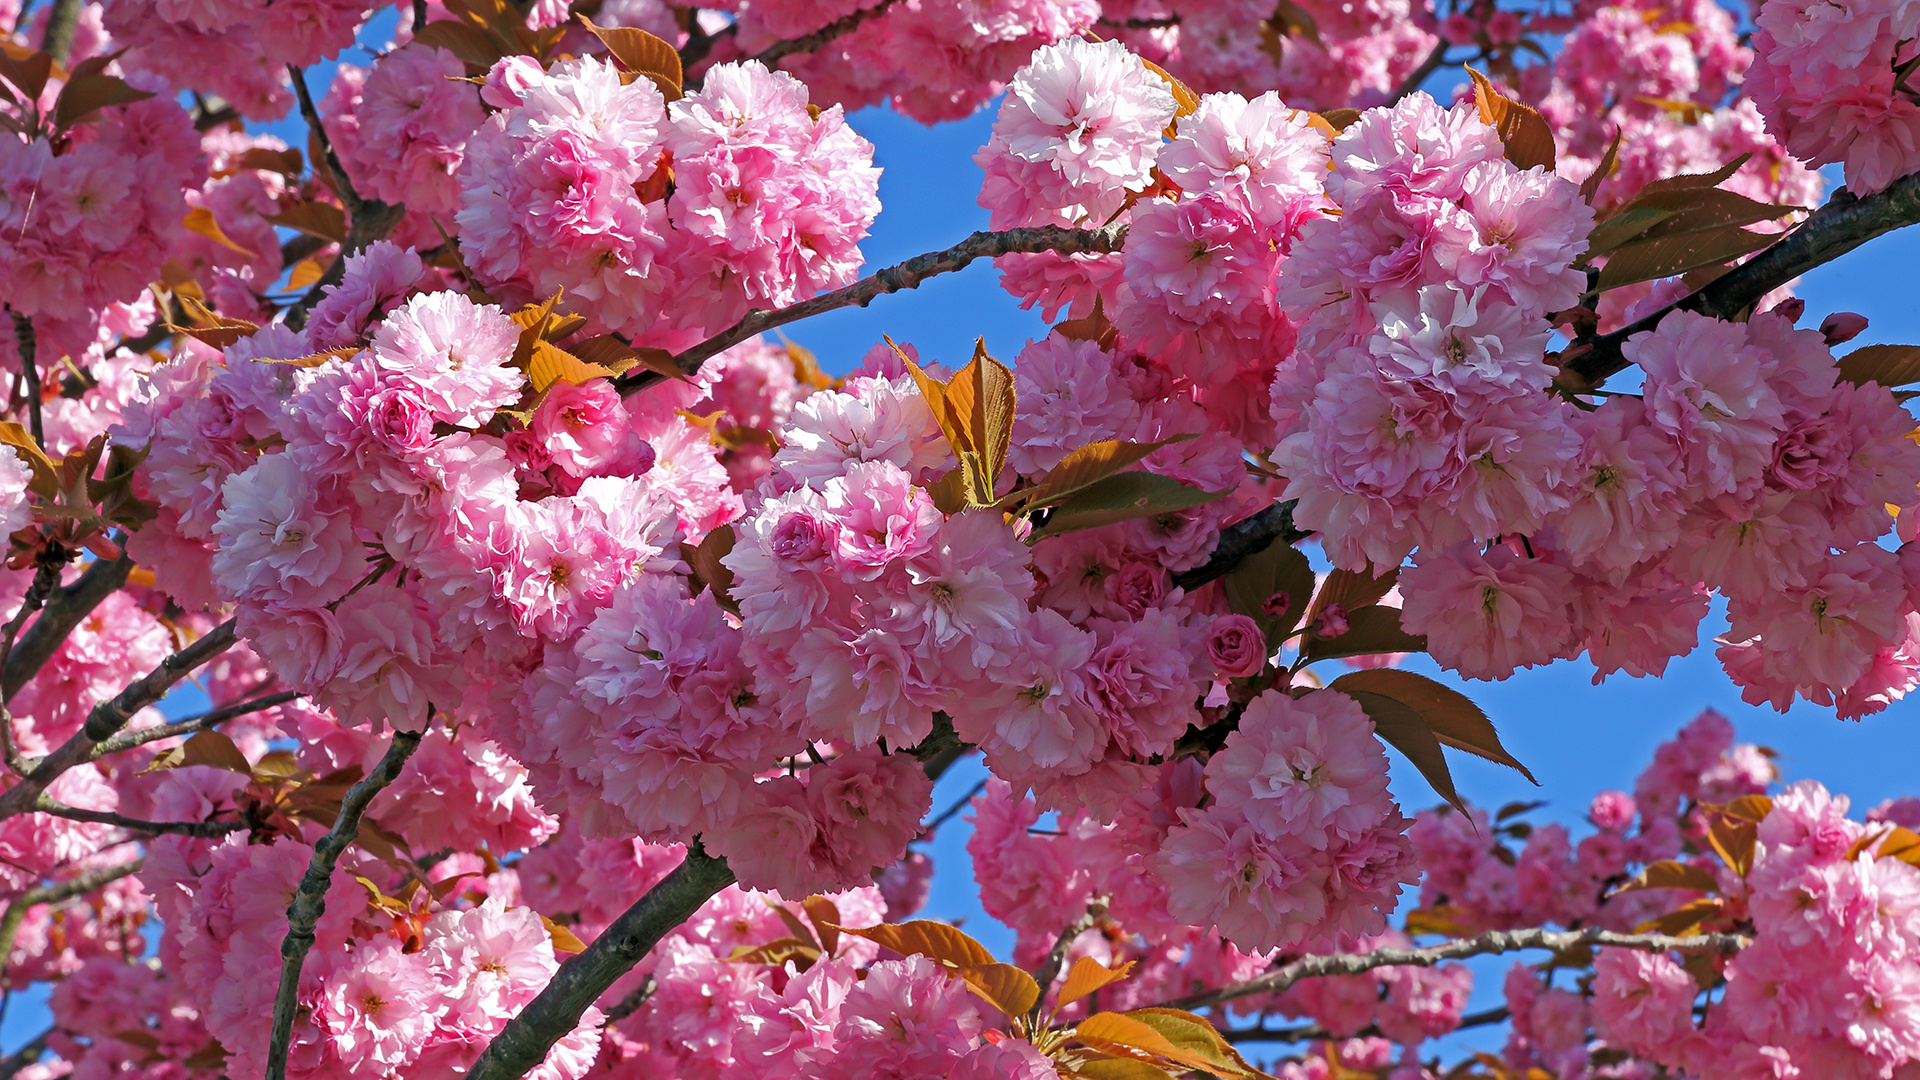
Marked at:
<point>62,21</point>
<point>630,1004</point>
<point>310,900</point>
<point>28,344</point>
<point>109,716</point>
<point>45,805</point>
<point>1492,942</point>
<point>367,219</point>
<point>1244,539</point>
<point>53,894</point>
<point>64,609</point>
<point>45,577</point>
<point>806,43</point>
<point>1057,956</point>
<point>25,1056</point>
<point>1843,224</point>
<point>1435,60</point>
<point>127,740</point>
<point>527,1038</point>
<point>906,275</point>
<point>1316,1033</point>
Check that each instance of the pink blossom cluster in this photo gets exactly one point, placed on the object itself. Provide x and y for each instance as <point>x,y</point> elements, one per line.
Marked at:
<point>1831,79</point>
<point>401,129</point>
<point>564,188</point>
<point>236,49</point>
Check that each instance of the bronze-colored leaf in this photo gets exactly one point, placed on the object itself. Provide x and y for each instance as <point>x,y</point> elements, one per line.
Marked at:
<point>44,483</point>
<point>1122,497</point>
<point>1733,839</point>
<point>27,69</point>
<point>85,95</point>
<point>1682,210</point>
<point>1684,919</point>
<point>201,220</point>
<point>500,20</point>
<point>1291,20</point>
<point>565,941</point>
<point>1399,725</point>
<point>304,275</point>
<point>1094,461</point>
<point>1454,719</point>
<point>1197,1038</point>
<point>1120,1069</point>
<point>286,162</point>
<point>1371,631</point>
<point>1666,256</point>
<point>708,570</point>
<point>469,44</point>
<point>825,916</point>
<point>643,54</point>
<point>1440,919</point>
<point>949,493</point>
<point>924,937</point>
<point>1095,327</point>
<point>1697,180</point>
<point>1888,365</point>
<point>1352,589</point>
<point>1088,975</point>
<point>1002,986</point>
<point>980,401</point>
<point>1527,137</point>
<point>778,952</point>
<point>1671,874</point>
<point>794,925</point>
<point>1609,161</point>
<point>1184,98</point>
<point>324,220</point>
<point>552,364</point>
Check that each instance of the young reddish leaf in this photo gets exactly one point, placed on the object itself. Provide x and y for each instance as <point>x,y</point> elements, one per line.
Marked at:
<point>282,764</point>
<point>1002,986</point>
<point>1697,180</point>
<point>1122,497</point>
<point>1454,719</point>
<point>806,367</point>
<point>500,20</point>
<point>215,749</point>
<point>1671,874</point>
<point>1439,919</point>
<point>200,220</point>
<point>778,952</point>
<point>949,493</point>
<point>1527,137</point>
<point>1733,839</point>
<point>1371,631</point>
<point>1196,1036</point>
<point>1131,1031</point>
<point>1888,365</point>
<point>1895,843</point>
<point>1352,589</point>
<point>26,69</point>
<point>1399,725</point>
<point>979,402</point>
<point>469,44</point>
<point>617,356</point>
<point>86,94</point>
<point>825,915</point>
<point>643,54</point>
<point>1095,327</point>
<point>799,929</point>
<point>324,220</point>
<point>1094,461</point>
<point>926,938</point>
<point>935,393</point>
<point>565,941</point>
<point>314,360</point>
<point>708,570</point>
<point>1609,161</point>
<point>1088,975</point>
<point>209,328</point>
<point>1754,808</point>
<point>1684,919</point>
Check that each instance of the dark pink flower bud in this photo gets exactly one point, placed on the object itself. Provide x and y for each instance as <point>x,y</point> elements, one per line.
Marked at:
<point>1791,310</point>
<point>1842,326</point>
<point>1276,605</point>
<point>1236,646</point>
<point>1333,621</point>
<point>1612,811</point>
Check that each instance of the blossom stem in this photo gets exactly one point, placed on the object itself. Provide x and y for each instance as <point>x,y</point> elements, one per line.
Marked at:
<point>127,740</point>
<point>1492,942</point>
<point>45,805</point>
<point>906,275</point>
<point>310,900</point>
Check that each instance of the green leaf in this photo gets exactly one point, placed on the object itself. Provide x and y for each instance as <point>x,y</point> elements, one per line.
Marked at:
<point>1371,631</point>
<point>1123,497</point>
<point>1888,365</point>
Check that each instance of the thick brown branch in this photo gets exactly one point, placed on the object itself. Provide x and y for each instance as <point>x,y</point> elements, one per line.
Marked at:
<point>907,275</point>
<point>27,1055</point>
<point>62,21</point>
<point>1494,941</point>
<point>1843,224</point>
<point>527,1038</point>
<point>1243,539</point>
<point>64,609</point>
<point>53,894</point>
<point>45,578</point>
<point>806,43</point>
<point>108,717</point>
<point>310,900</point>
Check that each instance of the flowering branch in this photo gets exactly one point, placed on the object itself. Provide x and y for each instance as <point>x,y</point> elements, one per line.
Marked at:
<point>127,740</point>
<point>53,894</point>
<point>109,716</point>
<point>1316,1033</point>
<point>1057,956</point>
<point>45,805</point>
<point>847,24</point>
<point>1843,224</point>
<point>1242,539</point>
<point>64,609</point>
<point>367,219</point>
<point>906,275</point>
<point>310,900</point>
<point>1489,943</point>
<point>527,1038</point>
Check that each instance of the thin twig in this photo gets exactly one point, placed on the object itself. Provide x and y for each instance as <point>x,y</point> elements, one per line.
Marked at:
<point>806,43</point>
<point>959,804</point>
<point>906,275</point>
<point>53,894</point>
<point>367,219</point>
<point>310,900</point>
<point>64,609</point>
<point>1057,956</point>
<point>1316,1033</point>
<point>45,805</point>
<point>1492,942</point>
<point>108,717</point>
<point>630,1004</point>
<point>1435,60</point>
<point>45,577</point>
<point>1843,224</point>
<point>127,740</point>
